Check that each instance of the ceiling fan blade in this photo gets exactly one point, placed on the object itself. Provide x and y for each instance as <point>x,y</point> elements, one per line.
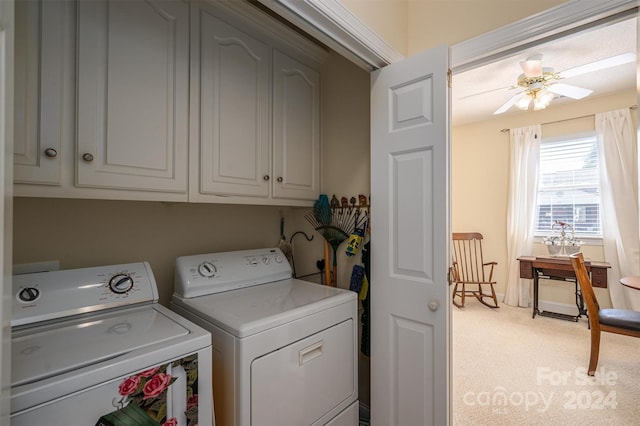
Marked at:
<point>508,104</point>
<point>569,91</point>
<point>532,67</point>
<point>612,61</point>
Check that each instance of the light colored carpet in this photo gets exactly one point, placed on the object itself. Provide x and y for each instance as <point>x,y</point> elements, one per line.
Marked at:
<point>510,369</point>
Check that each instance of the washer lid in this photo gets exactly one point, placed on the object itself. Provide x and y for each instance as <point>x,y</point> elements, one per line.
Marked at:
<point>251,310</point>
<point>53,349</point>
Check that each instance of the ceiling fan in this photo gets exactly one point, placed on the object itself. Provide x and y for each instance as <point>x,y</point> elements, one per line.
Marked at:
<point>539,85</point>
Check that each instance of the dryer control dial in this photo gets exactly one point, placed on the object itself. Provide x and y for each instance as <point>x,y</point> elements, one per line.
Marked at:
<point>121,283</point>
<point>207,269</point>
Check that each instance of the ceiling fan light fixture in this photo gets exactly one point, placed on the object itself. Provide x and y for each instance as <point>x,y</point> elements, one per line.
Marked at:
<point>532,67</point>
<point>539,85</point>
<point>542,99</point>
<point>524,101</point>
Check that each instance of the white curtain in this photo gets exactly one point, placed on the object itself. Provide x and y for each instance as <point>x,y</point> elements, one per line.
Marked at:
<point>619,203</point>
<point>521,208</point>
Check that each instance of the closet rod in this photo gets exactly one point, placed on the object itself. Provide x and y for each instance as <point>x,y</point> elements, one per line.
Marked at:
<point>569,119</point>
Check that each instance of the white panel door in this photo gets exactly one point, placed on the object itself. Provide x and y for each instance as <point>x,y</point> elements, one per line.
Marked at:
<point>234,110</point>
<point>410,237</point>
<point>39,56</point>
<point>296,129</point>
<point>133,82</point>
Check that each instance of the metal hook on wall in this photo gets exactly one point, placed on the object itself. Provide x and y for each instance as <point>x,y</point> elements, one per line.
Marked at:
<point>309,238</point>
<point>293,262</point>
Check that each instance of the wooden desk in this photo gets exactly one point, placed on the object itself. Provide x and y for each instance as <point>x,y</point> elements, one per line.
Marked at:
<point>631,282</point>
<point>559,268</point>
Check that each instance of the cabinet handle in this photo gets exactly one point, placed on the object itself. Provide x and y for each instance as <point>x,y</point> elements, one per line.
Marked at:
<point>87,157</point>
<point>50,153</point>
<point>280,179</point>
<point>266,177</point>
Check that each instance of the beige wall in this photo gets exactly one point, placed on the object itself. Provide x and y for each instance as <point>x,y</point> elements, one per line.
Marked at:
<point>388,18</point>
<point>411,26</point>
<point>81,233</point>
<point>435,22</point>
<point>480,171</point>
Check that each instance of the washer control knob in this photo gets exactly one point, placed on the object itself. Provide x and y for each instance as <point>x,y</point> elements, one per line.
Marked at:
<point>121,283</point>
<point>278,259</point>
<point>29,294</point>
<point>266,260</point>
<point>207,269</point>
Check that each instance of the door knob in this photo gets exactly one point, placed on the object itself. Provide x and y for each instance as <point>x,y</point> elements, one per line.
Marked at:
<point>87,157</point>
<point>433,306</point>
<point>51,153</point>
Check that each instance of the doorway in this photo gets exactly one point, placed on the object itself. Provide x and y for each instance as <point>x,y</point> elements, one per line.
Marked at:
<point>487,145</point>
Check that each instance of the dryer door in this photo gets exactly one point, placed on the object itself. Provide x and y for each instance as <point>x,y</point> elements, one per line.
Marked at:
<point>300,383</point>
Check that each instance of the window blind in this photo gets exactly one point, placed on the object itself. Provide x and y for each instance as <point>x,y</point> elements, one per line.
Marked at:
<point>568,186</point>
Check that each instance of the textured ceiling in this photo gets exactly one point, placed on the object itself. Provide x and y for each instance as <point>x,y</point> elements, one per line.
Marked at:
<point>562,54</point>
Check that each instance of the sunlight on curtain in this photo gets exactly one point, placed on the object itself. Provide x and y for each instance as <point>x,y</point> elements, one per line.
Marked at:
<point>619,210</point>
<point>521,208</point>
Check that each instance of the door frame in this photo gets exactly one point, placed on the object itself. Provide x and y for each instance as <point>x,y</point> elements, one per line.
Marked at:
<point>539,28</point>
<point>337,27</point>
<point>7,34</point>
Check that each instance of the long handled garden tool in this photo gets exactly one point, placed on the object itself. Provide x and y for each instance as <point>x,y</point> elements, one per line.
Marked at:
<point>334,225</point>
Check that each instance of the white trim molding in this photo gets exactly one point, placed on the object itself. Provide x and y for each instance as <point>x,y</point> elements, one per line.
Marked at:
<point>338,28</point>
<point>565,18</point>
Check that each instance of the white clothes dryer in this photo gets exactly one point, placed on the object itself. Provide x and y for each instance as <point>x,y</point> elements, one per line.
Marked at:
<point>284,350</point>
<point>92,346</point>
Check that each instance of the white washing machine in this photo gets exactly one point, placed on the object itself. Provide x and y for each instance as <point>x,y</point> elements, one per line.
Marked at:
<point>93,347</point>
<point>284,350</point>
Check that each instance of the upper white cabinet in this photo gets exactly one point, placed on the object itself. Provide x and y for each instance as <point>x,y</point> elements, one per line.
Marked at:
<point>132,92</point>
<point>255,112</point>
<point>234,146</point>
<point>38,89</point>
<point>296,129</point>
<point>165,100</point>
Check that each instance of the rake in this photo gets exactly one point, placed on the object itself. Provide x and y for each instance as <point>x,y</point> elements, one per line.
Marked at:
<point>335,222</point>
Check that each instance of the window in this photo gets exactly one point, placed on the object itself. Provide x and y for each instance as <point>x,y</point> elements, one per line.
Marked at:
<point>568,186</point>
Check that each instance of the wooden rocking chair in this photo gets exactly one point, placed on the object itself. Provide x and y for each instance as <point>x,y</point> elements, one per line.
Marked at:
<point>469,271</point>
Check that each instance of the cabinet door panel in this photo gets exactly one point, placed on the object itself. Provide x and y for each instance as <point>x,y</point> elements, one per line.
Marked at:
<point>234,98</point>
<point>133,94</point>
<point>296,132</point>
<point>38,91</point>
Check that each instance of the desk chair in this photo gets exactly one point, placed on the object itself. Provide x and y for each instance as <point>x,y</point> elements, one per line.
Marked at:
<point>469,272</point>
<point>619,321</point>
